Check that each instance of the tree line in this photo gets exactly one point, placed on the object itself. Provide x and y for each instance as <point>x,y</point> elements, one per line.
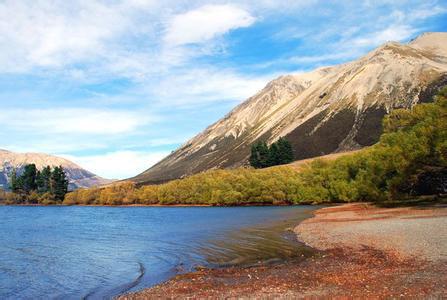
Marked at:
<point>263,156</point>
<point>35,186</point>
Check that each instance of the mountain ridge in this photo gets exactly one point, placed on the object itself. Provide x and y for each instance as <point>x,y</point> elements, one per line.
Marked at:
<point>78,177</point>
<point>331,109</point>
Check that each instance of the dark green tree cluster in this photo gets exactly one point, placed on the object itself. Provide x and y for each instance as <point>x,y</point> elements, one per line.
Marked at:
<point>263,156</point>
<point>34,185</point>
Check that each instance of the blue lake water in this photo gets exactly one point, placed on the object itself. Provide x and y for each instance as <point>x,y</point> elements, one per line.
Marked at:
<point>95,252</point>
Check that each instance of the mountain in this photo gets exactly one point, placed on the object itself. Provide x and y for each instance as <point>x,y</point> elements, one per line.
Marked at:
<point>78,177</point>
<point>328,110</point>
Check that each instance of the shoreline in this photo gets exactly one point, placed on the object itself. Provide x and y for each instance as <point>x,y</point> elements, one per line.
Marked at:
<point>170,205</point>
<point>361,251</point>
<point>101,205</point>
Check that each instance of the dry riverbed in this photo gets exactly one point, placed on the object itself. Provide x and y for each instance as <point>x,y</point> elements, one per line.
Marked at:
<point>363,251</point>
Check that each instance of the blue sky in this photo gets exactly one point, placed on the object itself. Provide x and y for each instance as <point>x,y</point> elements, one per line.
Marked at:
<point>117,85</point>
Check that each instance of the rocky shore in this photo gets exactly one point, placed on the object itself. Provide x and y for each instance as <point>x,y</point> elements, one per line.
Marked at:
<point>362,251</point>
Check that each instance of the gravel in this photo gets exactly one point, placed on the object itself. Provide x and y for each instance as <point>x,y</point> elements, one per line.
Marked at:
<point>410,232</point>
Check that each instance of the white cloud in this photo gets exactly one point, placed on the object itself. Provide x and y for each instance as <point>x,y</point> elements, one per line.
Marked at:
<point>205,85</point>
<point>119,164</point>
<point>313,59</point>
<point>91,40</point>
<point>53,34</point>
<point>424,13</point>
<point>72,121</point>
<point>205,23</point>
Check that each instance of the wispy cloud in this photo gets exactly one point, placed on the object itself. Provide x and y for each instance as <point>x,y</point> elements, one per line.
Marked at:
<point>59,33</point>
<point>73,121</point>
<point>206,85</point>
<point>427,12</point>
<point>391,33</point>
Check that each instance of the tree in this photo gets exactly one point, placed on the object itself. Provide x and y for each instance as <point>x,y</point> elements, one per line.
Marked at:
<point>274,157</point>
<point>16,183</point>
<point>278,153</point>
<point>59,183</point>
<point>43,180</point>
<point>259,155</point>
<point>254,157</point>
<point>285,151</point>
<point>43,186</point>
<point>28,178</point>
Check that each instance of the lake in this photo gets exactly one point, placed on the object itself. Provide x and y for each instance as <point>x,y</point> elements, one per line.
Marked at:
<point>78,252</point>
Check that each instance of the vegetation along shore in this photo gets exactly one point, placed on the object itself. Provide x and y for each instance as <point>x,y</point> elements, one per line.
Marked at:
<point>409,161</point>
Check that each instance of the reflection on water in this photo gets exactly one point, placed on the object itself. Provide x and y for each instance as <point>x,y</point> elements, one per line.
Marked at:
<point>99,252</point>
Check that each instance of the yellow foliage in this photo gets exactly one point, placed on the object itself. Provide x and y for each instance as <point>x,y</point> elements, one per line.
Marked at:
<point>413,147</point>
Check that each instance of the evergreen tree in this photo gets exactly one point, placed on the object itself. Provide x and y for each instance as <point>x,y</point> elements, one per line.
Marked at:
<point>278,153</point>
<point>259,155</point>
<point>274,157</point>
<point>15,185</point>
<point>59,183</point>
<point>43,180</point>
<point>263,154</point>
<point>254,157</point>
<point>285,151</point>
<point>28,178</point>
<point>39,181</point>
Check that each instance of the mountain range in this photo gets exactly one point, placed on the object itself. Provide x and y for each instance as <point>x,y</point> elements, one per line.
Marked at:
<point>77,176</point>
<point>331,109</point>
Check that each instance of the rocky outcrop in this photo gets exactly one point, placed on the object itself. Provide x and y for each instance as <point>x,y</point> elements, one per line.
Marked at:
<point>328,110</point>
<point>78,177</point>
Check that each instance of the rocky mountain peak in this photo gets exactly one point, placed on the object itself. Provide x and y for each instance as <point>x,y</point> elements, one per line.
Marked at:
<point>434,42</point>
<point>324,111</point>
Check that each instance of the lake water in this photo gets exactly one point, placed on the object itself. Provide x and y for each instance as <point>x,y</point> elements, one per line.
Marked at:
<point>95,252</point>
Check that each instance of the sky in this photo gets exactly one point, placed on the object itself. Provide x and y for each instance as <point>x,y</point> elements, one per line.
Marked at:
<point>117,85</point>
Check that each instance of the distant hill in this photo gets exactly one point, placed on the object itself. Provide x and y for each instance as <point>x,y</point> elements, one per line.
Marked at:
<point>329,110</point>
<point>78,177</point>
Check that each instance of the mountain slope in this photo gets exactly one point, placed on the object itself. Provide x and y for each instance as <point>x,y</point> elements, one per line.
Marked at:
<point>328,110</point>
<point>78,177</point>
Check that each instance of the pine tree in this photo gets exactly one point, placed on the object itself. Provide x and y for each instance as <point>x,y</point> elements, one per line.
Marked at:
<point>285,151</point>
<point>28,178</point>
<point>274,155</point>
<point>15,185</point>
<point>259,155</point>
<point>59,183</point>
<point>278,153</point>
<point>43,180</point>
<point>254,157</point>
<point>263,155</point>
